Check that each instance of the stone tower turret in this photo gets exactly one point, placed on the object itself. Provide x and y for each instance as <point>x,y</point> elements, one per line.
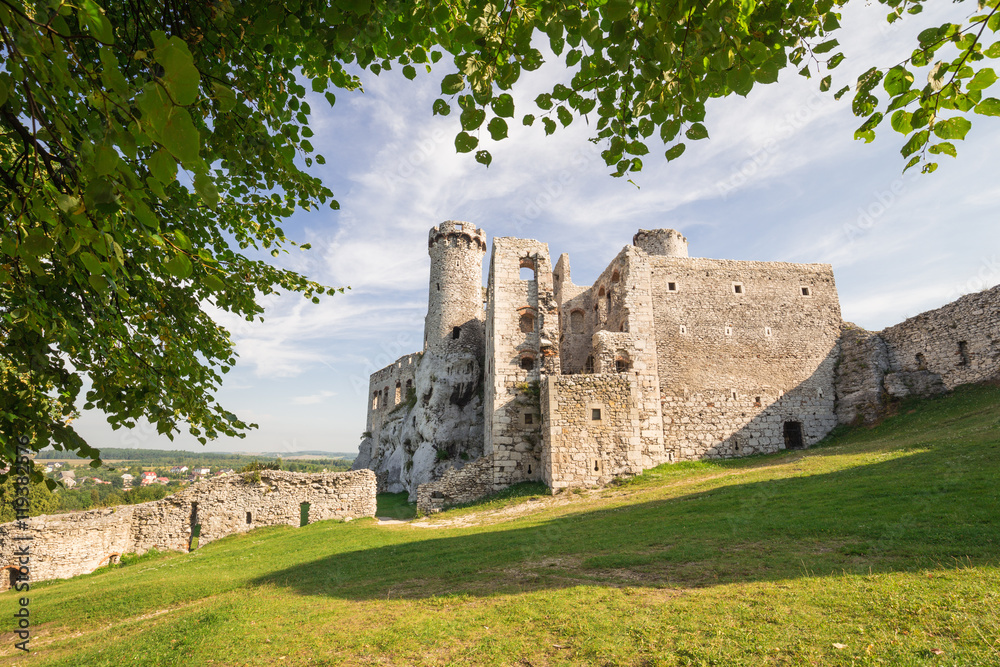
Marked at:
<point>667,242</point>
<point>455,303</point>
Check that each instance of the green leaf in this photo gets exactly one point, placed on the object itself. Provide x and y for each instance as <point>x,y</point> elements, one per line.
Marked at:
<point>988,107</point>
<point>565,117</point>
<point>183,242</point>
<point>544,101</point>
<point>497,128</point>
<point>179,266</point>
<point>452,84</point>
<point>696,131</point>
<point>549,124</point>
<point>900,121</point>
<point>993,51</point>
<point>180,76</point>
<point>503,105</point>
<point>824,84</point>
<point>213,282</point>
<point>465,142</point>
<point>984,78</point>
<point>93,17</point>
<point>616,10</point>
<point>409,72</point>
<point>67,203</point>
<point>441,108</point>
<point>944,148</point>
<point>225,96</point>
<point>206,189</point>
<point>915,143</point>
<point>37,243</point>
<point>952,128</point>
<point>674,152</point>
<point>897,81</point>
<point>484,157</point>
<point>826,46</point>
<point>835,60</point>
<point>472,118</point>
<point>528,120</point>
<point>4,91</point>
<point>180,137</point>
<point>840,93</point>
<point>163,167</point>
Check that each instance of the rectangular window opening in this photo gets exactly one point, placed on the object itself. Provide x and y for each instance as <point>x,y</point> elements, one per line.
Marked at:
<point>737,288</point>
<point>963,353</point>
<point>671,287</point>
<point>595,414</point>
<point>806,291</point>
<point>529,418</point>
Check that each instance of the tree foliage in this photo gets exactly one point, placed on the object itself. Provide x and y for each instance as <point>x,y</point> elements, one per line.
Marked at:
<point>149,152</point>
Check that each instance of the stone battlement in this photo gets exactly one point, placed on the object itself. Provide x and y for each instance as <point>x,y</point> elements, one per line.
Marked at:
<point>455,230</point>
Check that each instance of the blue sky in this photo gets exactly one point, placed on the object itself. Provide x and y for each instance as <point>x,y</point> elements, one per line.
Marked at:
<point>780,179</point>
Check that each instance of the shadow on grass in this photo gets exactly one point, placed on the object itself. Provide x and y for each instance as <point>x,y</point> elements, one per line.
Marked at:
<point>935,506</point>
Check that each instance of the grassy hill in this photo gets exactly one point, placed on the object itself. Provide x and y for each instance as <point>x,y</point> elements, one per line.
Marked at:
<point>879,547</point>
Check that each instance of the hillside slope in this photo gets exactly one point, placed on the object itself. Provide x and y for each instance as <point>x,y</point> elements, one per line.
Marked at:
<point>879,547</point>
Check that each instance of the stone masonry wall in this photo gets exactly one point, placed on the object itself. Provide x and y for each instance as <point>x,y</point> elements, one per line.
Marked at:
<point>456,486</point>
<point>522,325</point>
<point>956,344</point>
<point>742,348</point>
<point>591,431</point>
<point>66,545</point>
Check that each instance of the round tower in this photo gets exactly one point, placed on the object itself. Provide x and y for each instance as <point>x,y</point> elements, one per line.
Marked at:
<point>455,303</point>
<point>667,242</point>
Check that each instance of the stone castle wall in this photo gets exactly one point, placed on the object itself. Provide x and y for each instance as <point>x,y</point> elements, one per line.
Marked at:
<point>744,347</point>
<point>457,486</point>
<point>522,330</point>
<point>591,430</point>
<point>65,545</point>
<point>956,344</point>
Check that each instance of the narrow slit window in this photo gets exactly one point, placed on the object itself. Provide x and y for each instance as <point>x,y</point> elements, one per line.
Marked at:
<point>456,332</point>
<point>249,518</point>
<point>963,353</point>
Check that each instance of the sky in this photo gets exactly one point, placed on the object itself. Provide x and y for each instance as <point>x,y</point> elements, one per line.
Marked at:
<point>779,179</point>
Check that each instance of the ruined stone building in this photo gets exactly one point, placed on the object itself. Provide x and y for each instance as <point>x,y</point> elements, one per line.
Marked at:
<point>664,358</point>
<point>65,545</point>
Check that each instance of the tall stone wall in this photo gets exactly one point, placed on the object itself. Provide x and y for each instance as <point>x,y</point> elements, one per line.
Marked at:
<point>744,347</point>
<point>457,486</point>
<point>388,388</point>
<point>956,344</point>
<point>66,545</point>
<point>522,344</point>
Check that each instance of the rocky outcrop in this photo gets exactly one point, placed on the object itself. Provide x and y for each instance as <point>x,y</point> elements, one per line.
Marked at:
<point>864,361</point>
<point>440,427</point>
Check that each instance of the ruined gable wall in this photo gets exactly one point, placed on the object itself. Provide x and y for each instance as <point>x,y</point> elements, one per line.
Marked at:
<point>512,442</point>
<point>577,321</point>
<point>66,545</point>
<point>579,450</point>
<point>768,342</point>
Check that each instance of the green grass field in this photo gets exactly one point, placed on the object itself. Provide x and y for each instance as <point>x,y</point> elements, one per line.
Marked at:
<point>879,547</point>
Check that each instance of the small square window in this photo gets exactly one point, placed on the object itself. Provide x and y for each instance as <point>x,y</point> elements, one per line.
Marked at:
<point>595,414</point>
<point>529,418</point>
<point>671,287</point>
<point>806,291</point>
<point>737,288</point>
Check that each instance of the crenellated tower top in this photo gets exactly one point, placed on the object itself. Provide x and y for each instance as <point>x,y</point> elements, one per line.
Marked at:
<point>666,242</point>
<point>456,233</point>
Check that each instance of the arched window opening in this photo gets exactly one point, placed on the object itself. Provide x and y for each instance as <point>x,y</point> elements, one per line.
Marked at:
<point>399,391</point>
<point>527,268</point>
<point>615,277</point>
<point>375,401</point>
<point>602,291</point>
<point>528,363</point>
<point>456,332</point>
<point>576,321</point>
<point>527,323</point>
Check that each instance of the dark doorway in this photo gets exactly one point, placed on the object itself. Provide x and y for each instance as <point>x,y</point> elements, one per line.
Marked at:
<point>303,514</point>
<point>195,528</point>
<point>793,435</point>
<point>14,575</point>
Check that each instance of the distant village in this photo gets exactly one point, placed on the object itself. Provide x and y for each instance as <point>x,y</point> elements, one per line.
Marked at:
<point>65,474</point>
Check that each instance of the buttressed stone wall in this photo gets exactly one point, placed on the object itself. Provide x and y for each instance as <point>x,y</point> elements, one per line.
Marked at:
<point>65,545</point>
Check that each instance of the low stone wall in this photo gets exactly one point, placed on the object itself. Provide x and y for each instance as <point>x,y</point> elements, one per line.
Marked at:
<point>457,486</point>
<point>65,545</point>
<point>927,354</point>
